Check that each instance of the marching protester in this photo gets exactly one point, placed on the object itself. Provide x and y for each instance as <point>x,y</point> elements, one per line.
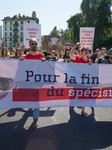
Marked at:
<point>46,53</point>
<point>52,56</point>
<point>13,53</point>
<point>110,54</point>
<point>84,52</point>
<point>26,51</point>
<point>102,57</point>
<point>5,53</point>
<point>34,54</point>
<point>18,53</point>
<point>66,56</point>
<point>94,56</point>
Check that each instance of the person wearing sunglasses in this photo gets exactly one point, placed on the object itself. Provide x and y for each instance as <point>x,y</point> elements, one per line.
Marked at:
<point>34,54</point>
<point>52,56</point>
<point>83,58</point>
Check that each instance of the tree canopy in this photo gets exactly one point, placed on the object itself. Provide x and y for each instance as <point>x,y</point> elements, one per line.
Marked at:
<point>95,13</point>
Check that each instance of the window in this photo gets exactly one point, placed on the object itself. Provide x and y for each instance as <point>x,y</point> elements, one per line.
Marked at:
<point>5,28</point>
<point>10,33</point>
<point>11,28</point>
<point>10,45</point>
<point>10,39</point>
<point>22,28</point>
<point>21,22</point>
<point>5,39</point>
<point>15,39</point>
<point>21,33</point>
<point>11,23</point>
<point>5,23</point>
<point>5,33</point>
<point>21,39</point>
<point>28,21</point>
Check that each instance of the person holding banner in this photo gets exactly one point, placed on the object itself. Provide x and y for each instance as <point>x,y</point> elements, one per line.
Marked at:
<point>34,54</point>
<point>83,58</point>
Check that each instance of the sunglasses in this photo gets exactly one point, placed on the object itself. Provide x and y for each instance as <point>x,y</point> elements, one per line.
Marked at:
<point>86,50</point>
<point>33,43</point>
<point>53,52</point>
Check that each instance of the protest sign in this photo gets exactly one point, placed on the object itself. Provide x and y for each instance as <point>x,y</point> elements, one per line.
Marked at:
<point>32,30</point>
<point>37,84</point>
<point>87,37</point>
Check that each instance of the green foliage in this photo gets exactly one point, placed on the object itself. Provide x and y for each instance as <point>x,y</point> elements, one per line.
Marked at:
<point>95,13</point>
<point>74,24</point>
<point>55,32</point>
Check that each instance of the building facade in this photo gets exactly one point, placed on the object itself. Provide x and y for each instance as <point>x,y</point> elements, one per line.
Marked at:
<point>0,31</point>
<point>13,29</point>
<point>1,42</point>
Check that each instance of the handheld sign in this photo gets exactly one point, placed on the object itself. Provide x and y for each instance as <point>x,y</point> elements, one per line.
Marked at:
<point>87,37</point>
<point>32,30</point>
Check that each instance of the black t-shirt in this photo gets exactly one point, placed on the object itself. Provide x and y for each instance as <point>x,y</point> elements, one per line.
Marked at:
<point>26,51</point>
<point>103,59</point>
<point>51,59</point>
<point>66,58</point>
<point>109,61</point>
<point>46,53</point>
<point>93,57</point>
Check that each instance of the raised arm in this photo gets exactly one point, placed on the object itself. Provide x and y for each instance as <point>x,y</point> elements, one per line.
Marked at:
<point>97,59</point>
<point>71,54</point>
<point>57,51</point>
<point>91,52</point>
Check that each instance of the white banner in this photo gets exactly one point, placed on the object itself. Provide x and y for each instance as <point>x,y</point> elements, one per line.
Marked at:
<point>87,37</point>
<point>32,30</point>
<point>32,84</point>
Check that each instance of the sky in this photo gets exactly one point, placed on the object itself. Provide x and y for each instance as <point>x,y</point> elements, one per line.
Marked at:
<point>49,12</point>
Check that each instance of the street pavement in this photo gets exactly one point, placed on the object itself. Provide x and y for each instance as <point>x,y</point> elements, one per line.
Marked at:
<point>59,129</point>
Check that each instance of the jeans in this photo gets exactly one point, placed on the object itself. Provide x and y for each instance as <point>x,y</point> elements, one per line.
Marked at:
<point>35,113</point>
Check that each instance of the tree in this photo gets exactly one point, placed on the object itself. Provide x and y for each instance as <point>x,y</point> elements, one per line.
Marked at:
<point>95,13</point>
<point>55,32</point>
<point>74,24</point>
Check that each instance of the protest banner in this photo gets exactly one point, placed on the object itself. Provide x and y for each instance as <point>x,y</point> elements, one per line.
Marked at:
<point>32,84</point>
<point>87,37</point>
<point>31,30</point>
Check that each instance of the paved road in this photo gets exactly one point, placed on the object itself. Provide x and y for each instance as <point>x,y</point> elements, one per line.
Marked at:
<point>59,129</point>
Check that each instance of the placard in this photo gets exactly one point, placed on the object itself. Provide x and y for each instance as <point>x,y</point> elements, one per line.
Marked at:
<point>87,37</point>
<point>32,30</point>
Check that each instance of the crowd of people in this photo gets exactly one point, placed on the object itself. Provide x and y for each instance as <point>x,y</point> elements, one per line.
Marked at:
<point>100,56</point>
<point>72,54</point>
